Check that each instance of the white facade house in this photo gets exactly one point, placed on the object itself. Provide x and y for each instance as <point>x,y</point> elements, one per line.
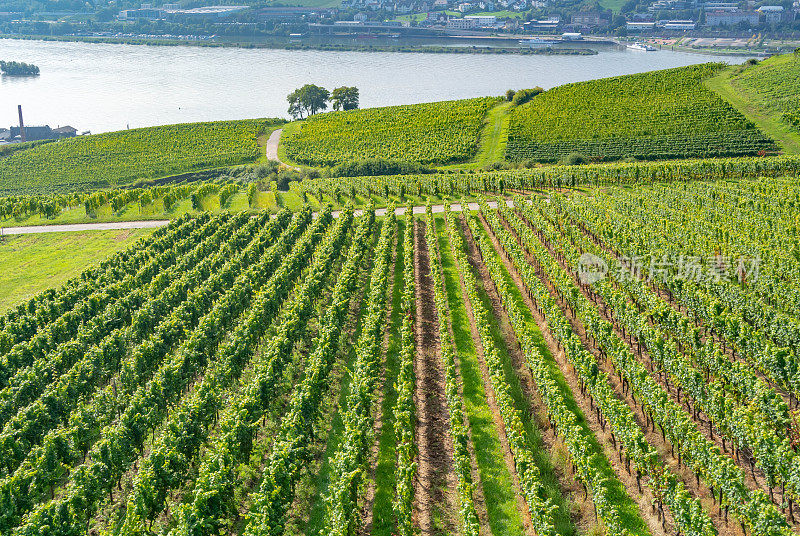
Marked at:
<point>680,25</point>
<point>482,21</point>
<point>454,23</point>
<point>772,14</point>
<point>640,26</point>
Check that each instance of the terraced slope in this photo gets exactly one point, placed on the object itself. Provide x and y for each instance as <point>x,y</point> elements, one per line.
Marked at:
<point>430,133</point>
<point>648,116</point>
<point>116,158</point>
<point>768,93</point>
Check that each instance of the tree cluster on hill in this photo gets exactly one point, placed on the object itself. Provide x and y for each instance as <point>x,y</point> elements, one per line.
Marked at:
<point>522,96</point>
<point>378,166</point>
<point>16,68</point>
<point>311,99</point>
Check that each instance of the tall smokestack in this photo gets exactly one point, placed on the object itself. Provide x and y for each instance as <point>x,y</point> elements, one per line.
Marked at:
<point>21,123</point>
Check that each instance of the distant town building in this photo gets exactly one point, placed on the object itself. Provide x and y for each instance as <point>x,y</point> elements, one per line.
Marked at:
<point>143,13</point>
<point>483,21</point>
<point>640,26</point>
<point>667,5</point>
<point>205,13</point>
<point>37,133</point>
<point>65,132</point>
<point>731,18</point>
<point>772,14</point>
<point>679,25</point>
<point>551,23</point>
<point>587,19</point>
<point>456,23</point>
<point>291,13</point>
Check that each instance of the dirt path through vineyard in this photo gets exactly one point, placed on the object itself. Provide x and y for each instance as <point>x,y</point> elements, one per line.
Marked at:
<point>436,505</point>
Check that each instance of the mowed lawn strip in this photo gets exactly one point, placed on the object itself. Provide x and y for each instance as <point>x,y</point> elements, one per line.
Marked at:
<point>501,503</point>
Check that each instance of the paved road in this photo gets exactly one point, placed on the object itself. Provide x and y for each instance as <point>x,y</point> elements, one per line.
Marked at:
<point>436,209</point>
<point>272,145</point>
<point>147,224</point>
<point>83,227</point>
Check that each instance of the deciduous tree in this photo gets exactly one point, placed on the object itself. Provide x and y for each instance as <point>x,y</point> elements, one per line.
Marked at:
<point>345,98</point>
<point>308,100</point>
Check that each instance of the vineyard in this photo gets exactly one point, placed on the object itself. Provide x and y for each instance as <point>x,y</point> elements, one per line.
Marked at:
<point>88,162</point>
<point>232,195</point>
<point>605,349</point>
<point>649,116</point>
<point>602,360</point>
<point>773,85</point>
<point>434,133</point>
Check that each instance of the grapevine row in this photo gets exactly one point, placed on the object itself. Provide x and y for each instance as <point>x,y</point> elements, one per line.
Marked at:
<point>69,444</point>
<point>455,404</point>
<point>166,467</point>
<point>753,508</point>
<point>404,414</point>
<point>350,460</point>
<point>22,322</point>
<point>291,451</point>
<point>123,442</point>
<point>69,324</point>
<point>687,512</point>
<point>99,362</point>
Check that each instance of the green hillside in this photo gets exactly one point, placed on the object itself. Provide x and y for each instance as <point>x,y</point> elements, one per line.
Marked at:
<point>775,85</point>
<point>122,157</point>
<point>440,132</point>
<point>768,93</point>
<point>655,115</point>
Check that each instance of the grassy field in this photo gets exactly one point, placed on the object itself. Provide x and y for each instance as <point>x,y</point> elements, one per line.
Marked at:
<point>648,116</point>
<point>123,157</point>
<point>32,263</point>
<point>440,132</point>
<point>613,5</point>
<point>493,139</point>
<point>505,14</point>
<point>766,93</point>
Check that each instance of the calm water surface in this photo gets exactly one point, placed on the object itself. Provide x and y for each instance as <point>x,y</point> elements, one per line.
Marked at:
<point>104,87</point>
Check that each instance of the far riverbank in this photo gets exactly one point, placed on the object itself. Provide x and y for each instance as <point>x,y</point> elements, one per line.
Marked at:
<point>324,47</point>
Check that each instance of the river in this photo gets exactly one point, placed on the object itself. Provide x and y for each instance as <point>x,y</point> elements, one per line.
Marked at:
<point>105,87</point>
